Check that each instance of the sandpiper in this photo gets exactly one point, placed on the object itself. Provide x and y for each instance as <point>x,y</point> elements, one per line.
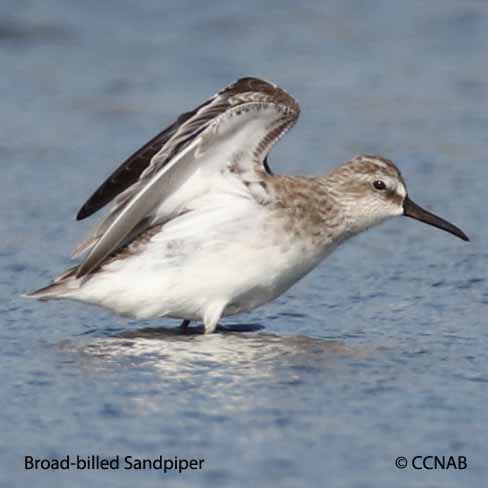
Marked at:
<point>201,228</point>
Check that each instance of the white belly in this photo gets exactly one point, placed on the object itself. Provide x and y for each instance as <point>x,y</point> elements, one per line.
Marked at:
<point>240,257</point>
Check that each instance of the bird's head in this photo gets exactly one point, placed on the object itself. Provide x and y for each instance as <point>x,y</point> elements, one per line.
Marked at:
<point>372,189</point>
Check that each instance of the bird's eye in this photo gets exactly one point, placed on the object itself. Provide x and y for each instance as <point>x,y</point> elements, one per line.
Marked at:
<point>379,185</point>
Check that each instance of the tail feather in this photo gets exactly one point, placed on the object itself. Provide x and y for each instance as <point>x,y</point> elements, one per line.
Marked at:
<point>58,288</point>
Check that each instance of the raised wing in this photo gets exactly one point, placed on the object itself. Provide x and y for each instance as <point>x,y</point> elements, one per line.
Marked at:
<point>238,125</point>
<point>132,168</point>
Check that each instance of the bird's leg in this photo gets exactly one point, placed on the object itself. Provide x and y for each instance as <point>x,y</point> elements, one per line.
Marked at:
<point>184,325</point>
<point>212,316</point>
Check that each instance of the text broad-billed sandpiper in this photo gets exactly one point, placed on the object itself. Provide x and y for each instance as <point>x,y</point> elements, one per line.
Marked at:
<point>201,228</point>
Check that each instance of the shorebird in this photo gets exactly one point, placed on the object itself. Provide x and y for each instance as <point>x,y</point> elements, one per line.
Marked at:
<point>201,228</point>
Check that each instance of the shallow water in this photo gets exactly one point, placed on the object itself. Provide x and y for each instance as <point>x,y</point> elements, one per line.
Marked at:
<point>381,352</point>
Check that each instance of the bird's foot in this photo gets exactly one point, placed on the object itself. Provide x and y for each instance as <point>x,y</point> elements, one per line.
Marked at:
<point>185,324</point>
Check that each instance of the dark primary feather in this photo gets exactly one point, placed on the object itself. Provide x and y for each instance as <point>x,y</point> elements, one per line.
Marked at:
<point>131,169</point>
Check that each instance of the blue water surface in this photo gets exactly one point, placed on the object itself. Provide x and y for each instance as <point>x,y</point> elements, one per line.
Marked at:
<point>381,352</point>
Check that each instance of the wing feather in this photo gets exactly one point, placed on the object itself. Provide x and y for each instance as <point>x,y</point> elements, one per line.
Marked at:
<point>132,168</point>
<point>240,123</point>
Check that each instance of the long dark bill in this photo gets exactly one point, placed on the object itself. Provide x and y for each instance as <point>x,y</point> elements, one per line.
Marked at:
<point>411,209</point>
